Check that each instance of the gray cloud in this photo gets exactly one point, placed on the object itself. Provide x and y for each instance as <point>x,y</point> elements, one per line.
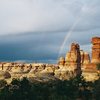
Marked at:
<point>47,15</point>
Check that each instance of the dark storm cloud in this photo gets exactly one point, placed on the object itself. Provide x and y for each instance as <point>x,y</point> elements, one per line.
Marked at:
<point>29,46</point>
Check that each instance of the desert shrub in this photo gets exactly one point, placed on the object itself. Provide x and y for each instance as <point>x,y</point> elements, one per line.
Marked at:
<point>3,83</point>
<point>56,90</point>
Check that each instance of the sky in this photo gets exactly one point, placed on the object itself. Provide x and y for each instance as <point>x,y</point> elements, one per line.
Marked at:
<point>42,30</point>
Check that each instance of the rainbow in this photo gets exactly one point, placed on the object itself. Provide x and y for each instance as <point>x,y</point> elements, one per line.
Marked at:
<point>69,34</point>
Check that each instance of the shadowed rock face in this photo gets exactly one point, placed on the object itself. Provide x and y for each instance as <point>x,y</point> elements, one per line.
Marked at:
<point>96,50</point>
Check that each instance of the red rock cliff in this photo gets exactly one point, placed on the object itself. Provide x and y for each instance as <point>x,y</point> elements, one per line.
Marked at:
<point>96,50</point>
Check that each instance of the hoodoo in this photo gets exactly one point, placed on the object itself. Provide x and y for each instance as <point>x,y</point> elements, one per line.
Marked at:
<point>79,60</point>
<point>96,50</point>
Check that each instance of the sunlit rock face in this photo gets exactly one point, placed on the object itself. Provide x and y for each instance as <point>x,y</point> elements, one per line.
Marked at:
<point>89,70</point>
<point>61,61</point>
<point>85,57</point>
<point>70,65</point>
<point>4,75</point>
<point>96,50</point>
<point>73,56</point>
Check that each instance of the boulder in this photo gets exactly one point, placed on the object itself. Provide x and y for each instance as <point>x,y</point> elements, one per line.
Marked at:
<point>4,75</point>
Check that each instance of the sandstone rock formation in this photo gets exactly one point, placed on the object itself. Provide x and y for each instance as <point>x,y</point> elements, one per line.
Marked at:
<point>85,57</point>
<point>73,58</point>
<point>89,68</point>
<point>76,59</point>
<point>72,64</point>
<point>61,61</point>
<point>96,50</point>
